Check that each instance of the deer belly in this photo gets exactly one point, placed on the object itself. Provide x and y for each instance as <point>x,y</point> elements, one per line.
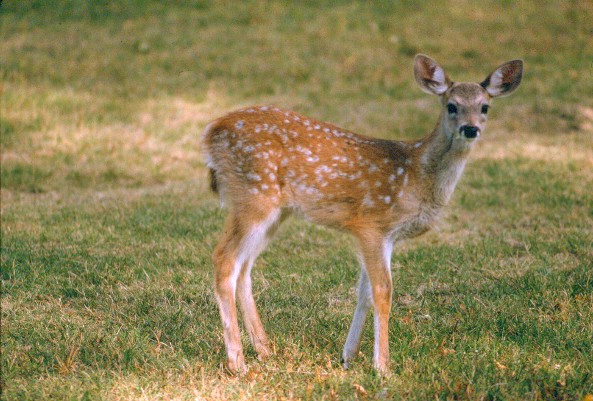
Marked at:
<point>414,226</point>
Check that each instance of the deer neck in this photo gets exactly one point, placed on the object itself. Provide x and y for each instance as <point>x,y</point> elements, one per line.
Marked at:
<point>442,161</point>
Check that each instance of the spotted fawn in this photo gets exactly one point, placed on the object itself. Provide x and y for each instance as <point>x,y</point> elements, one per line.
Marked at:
<point>266,162</point>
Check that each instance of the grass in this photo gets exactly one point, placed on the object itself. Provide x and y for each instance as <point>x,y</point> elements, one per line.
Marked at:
<point>108,227</point>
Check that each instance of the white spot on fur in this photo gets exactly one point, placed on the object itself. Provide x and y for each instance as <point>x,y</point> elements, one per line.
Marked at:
<point>253,177</point>
<point>323,169</point>
<point>303,150</point>
<point>368,201</point>
<point>354,176</point>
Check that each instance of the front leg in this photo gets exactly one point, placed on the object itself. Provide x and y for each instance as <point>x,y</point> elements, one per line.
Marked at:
<point>352,345</point>
<point>376,256</point>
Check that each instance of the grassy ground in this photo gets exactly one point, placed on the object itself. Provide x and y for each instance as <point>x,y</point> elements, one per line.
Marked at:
<point>108,227</point>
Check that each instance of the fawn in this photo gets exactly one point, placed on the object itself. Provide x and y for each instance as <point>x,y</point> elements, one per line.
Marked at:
<point>266,163</point>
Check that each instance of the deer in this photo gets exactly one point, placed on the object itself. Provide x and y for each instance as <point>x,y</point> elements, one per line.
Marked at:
<point>267,163</point>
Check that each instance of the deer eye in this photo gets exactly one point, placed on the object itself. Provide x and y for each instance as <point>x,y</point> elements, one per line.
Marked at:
<point>485,108</point>
<point>451,108</point>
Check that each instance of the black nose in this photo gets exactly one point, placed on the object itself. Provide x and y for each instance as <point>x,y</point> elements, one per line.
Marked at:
<point>469,131</point>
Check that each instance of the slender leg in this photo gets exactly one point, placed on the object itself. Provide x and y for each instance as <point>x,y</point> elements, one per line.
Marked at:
<point>376,253</point>
<point>352,345</point>
<point>226,275</point>
<point>243,240</point>
<point>253,323</point>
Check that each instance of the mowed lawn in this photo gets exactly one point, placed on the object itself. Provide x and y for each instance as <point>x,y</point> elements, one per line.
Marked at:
<point>108,225</point>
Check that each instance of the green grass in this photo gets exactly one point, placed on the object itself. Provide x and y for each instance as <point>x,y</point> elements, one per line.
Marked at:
<point>108,227</point>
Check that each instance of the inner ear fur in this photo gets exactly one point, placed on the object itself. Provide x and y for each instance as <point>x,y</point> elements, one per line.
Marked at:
<point>505,79</point>
<point>431,77</point>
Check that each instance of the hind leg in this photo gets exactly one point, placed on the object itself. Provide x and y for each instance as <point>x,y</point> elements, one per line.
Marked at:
<point>253,324</point>
<point>245,237</point>
<point>251,318</point>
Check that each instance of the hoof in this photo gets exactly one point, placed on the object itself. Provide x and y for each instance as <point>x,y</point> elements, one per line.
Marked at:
<point>345,365</point>
<point>263,353</point>
<point>382,370</point>
<point>236,366</point>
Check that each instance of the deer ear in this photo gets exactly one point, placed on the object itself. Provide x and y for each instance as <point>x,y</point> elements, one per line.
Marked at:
<point>505,79</point>
<point>430,75</point>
